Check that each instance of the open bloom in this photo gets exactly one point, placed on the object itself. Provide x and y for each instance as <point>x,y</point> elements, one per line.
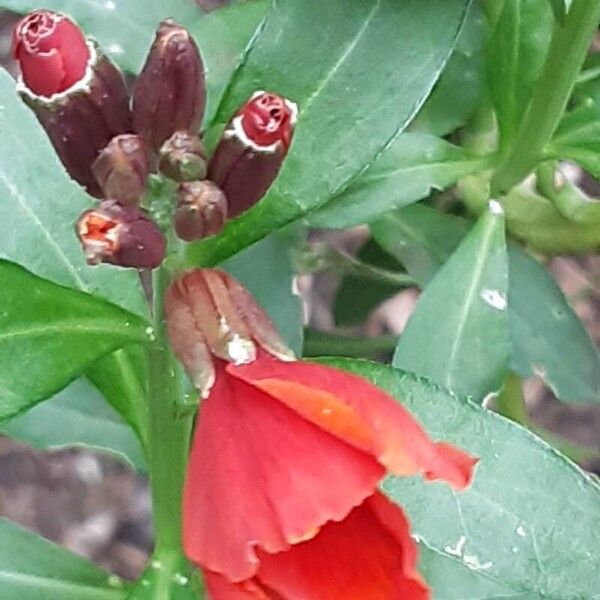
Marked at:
<point>281,499</point>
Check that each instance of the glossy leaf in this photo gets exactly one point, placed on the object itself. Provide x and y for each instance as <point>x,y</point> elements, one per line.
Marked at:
<point>516,54</point>
<point>76,417</point>
<point>326,57</point>
<point>31,568</point>
<point>578,138</point>
<point>542,321</point>
<point>123,28</point>
<point>458,335</point>
<point>49,334</point>
<point>462,82</point>
<point>511,534</point>
<point>407,171</point>
<point>266,270</point>
<point>222,37</point>
<point>39,205</point>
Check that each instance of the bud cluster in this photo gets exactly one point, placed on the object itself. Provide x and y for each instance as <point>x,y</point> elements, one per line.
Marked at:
<point>110,143</point>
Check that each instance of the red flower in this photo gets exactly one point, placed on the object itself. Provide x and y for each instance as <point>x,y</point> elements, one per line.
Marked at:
<point>51,50</point>
<point>281,498</point>
<point>268,119</point>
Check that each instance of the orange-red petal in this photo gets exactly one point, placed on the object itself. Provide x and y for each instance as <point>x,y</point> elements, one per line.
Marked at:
<point>360,413</point>
<point>368,556</point>
<point>261,477</point>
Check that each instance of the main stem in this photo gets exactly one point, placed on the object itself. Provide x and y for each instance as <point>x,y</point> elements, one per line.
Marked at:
<point>169,432</point>
<point>569,46</point>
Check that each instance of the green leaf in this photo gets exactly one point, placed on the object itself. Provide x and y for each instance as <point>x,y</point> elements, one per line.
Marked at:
<point>542,321</point>
<point>124,28</point>
<point>578,138</point>
<point>458,335</point>
<point>49,334</point>
<point>77,416</point>
<point>39,205</point>
<point>266,270</point>
<point>516,55</point>
<point>329,58</point>
<point>462,82</point>
<point>32,568</point>
<point>406,171</point>
<point>222,36</point>
<point>354,299</point>
<point>527,527</point>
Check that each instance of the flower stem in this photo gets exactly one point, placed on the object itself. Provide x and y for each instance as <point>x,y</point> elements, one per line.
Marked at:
<point>168,436</point>
<point>570,43</point>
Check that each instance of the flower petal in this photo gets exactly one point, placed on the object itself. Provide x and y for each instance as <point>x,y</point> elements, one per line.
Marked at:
<point>355,410</point>
<point>368,556</point>
<point>262,477</point>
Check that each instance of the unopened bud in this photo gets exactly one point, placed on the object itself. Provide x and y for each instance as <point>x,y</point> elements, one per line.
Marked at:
<point>201,210</point>
<point>252,148</point>
<point>210,316</point>
<point>82,119</point>
<point>182,157</point>
<point>170,92</point>
<point>122,169</point>
<point>120,235</point>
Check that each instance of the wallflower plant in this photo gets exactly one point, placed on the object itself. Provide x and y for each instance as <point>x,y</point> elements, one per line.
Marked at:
<point>157,196</point>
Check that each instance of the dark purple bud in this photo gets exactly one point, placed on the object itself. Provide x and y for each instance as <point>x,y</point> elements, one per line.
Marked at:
<point>120,235</point>
<point>251,150</point>
<point>82,119</point>
<point>122,169</point>
<point>182,157</point>
<point>201,210</point>
<point>170,93</point>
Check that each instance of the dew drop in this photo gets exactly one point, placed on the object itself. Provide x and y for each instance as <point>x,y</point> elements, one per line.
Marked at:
<point>495,207</point>
<point>180,579</point>
<point>110,5</point>
<point>520,531</point>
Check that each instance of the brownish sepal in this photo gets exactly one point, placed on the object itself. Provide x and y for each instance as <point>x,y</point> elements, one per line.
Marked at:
<point>243,172</point>
<point>201,210</point>
<point>122,169</point>
<point>83,119</point>
<point>120,235</point>
<point>182,157</point>
<point>170,92</point>
<point>212,316</point>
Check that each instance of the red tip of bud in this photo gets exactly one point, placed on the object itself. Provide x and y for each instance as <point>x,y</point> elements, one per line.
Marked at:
<point>268,118</point>
<point>119,235</point>
<point>51,50</point>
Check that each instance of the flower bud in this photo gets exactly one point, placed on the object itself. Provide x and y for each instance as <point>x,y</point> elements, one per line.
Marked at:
<point>78,95</point>
<point>211,317</point>
<point>51,50</point>
<point>120,235</point>
<point>122,169</point>
<point>170,93</point>
<point>182,157</point>
<point>252,148</point>
<point>201,210</point>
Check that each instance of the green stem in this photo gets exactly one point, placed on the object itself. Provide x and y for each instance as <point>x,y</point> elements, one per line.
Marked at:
<point>568,49</point>
<point>510,401</point>
<point>323,343</point>
<point>168,435</point>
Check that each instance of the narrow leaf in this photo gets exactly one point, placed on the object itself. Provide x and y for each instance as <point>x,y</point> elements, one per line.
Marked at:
<point>528,525</point>
<point>326,56</point>
<point>542,321</point>
<point>407,171</point>
<point>49,334</point>
<point>458,335</point>
<point>76,417</point>
<point>516,54</point>
<point>32,568</point>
